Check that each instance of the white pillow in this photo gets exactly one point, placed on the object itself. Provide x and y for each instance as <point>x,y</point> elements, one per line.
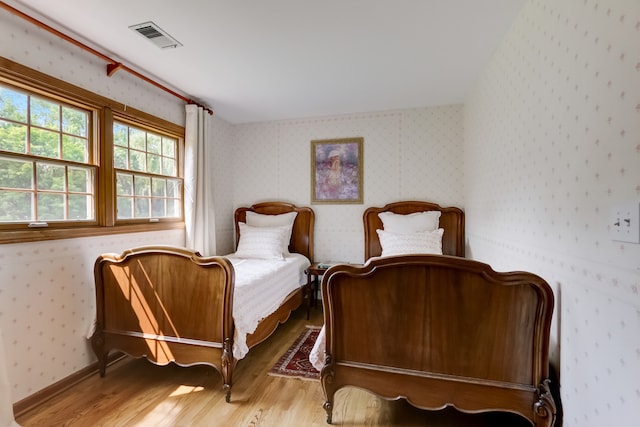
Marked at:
<point>421,242</point>
<point>410,223</point>
<point>261,242</point>
<point>262,220</point>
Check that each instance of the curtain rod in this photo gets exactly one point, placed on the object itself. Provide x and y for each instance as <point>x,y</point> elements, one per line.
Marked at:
<point>112,65</point>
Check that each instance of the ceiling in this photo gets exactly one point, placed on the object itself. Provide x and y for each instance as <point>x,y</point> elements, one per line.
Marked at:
<point>284,59</point>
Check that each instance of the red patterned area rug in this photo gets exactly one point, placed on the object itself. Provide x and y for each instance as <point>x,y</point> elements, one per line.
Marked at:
<point>295,361</point>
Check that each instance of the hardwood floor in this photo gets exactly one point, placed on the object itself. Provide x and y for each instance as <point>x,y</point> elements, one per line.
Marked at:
<point>137,393</point>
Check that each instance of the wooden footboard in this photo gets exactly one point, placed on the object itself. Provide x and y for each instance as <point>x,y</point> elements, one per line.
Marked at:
<point>439,331</point>
<point>166,304</point>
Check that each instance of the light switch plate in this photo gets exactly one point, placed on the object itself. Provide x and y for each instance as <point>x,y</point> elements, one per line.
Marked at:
<point>624,222</point>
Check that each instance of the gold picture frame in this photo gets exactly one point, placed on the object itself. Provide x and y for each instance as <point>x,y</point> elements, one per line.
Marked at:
<point>336,171</point>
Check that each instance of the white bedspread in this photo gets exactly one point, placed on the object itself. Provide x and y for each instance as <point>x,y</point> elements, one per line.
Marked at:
<point>316,357</point>
<point>260,288</point>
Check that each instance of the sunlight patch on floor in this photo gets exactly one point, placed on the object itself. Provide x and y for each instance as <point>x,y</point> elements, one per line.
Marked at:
<point>185,389</point>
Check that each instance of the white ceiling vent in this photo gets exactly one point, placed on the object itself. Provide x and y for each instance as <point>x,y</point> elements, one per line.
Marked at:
<point>156,35</point>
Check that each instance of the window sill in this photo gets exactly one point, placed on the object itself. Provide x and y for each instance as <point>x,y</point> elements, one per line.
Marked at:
<point>40,234</point>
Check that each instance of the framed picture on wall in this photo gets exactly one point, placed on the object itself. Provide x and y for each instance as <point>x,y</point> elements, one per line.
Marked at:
<point>336,170</point>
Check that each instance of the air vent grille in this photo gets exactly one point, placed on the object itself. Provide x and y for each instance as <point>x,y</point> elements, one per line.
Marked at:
<point>156,35</point>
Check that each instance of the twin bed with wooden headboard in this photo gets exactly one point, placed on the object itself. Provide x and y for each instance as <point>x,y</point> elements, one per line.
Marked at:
<point>170,304</point>
<point>437,330</point>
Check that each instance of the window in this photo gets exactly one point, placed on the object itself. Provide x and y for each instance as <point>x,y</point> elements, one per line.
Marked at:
<point>73,163</point>
<point>45,160</point>
<point>146,165</point>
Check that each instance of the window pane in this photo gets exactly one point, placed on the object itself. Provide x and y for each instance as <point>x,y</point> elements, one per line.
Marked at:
<point>137,139</point>
<point>13,105</point>
<point>173,188</point>
<point>44,179</point>
<point>142,208</point>
<point>74,121</point>
<point>173,208</point>
<point>120,135</point>
<point>124,184</point>
<point>13,137</point>
<point>80,180</point>
<point>74,149</point>
<point>138,161</point>
<point>168,147</point>
<point>168,166</point>
<point>154,163</point>
<point>80,207</point>
<point>51,207</point>
<point>45,114</point>
<point>16,174</point>
<point>50,177</point>
<point>149,155</point>
<point>142,185</point>
<point>120,158</point>
<point>158,187</point>
<point>154,143</point>
<point>16,206</point>
<point>125,207</point>
<point>158,208</point>
<point>45,143</point>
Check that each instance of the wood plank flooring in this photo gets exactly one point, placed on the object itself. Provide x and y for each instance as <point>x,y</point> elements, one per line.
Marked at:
<point>137,393</point>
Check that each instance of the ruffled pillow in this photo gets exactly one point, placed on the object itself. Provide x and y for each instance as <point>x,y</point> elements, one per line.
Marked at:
<point>410,223</point>
<point>280,220</point>
<point>421,242</point>
<point>261,242</point>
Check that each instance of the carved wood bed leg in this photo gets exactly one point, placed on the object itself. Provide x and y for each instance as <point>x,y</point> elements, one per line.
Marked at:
<point>97,343</point>
<point>227,389</point>
<point>328,407</point>
<point>545,407</point>
<point>227,368</point>
<point>326,378</point>
<point>102,365</point>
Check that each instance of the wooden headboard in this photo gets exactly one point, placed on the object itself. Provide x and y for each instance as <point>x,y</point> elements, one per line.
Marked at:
<point>451,219</point>
<point>302,235</point>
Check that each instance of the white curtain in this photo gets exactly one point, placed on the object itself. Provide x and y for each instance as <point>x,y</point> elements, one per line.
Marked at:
<point>198,186</point>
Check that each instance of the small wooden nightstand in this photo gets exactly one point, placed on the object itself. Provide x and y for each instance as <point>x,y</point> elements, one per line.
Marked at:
<point>314,273</point>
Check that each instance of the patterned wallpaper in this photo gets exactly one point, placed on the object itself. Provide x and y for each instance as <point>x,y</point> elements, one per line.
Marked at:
<point>222,171</point>
<point>408,154</point>
<point>552,141</point>
<point>47,299</point>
